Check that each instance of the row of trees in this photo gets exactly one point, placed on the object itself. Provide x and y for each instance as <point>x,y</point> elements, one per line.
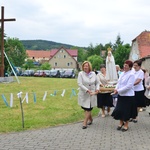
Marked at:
<point>97,54</point>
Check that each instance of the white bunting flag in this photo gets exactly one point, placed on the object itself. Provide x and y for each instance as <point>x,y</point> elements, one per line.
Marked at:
<point>44,97</point>
<point>11,99</point>
<point>27,100</point>
<point>63,93</point>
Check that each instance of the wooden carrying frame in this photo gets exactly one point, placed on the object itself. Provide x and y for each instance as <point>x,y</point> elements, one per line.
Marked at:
<point>103,89</point>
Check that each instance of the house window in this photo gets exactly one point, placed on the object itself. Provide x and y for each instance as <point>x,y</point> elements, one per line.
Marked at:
<point>64,56</point>
<point>68,64</point>
<point>58,56</point>
<point>71,63</point>
<point>32,57</point>
<point>55,64</point>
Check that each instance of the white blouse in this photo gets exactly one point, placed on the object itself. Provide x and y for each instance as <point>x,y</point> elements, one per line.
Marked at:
<point>139,75</point>
<point>125,85</point>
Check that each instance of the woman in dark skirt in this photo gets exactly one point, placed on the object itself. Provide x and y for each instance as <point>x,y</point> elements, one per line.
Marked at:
<point>146,86</point>
<point>138,87</point>
<point>125,107</point>
<point>104,99</point>
<point>147,94</point>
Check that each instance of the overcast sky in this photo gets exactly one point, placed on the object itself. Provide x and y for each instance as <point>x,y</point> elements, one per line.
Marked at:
<point>77,22</point>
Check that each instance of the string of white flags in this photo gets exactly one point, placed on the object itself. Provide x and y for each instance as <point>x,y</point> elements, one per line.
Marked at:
<point>26,97</point>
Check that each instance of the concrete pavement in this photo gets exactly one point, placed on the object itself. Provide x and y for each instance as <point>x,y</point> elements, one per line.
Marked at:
<point>101,135</point>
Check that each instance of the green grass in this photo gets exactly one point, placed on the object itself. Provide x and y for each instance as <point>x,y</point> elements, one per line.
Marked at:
<point>55,110</point>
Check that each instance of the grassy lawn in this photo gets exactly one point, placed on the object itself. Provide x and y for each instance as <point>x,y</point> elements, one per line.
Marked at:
<point>39,113</point>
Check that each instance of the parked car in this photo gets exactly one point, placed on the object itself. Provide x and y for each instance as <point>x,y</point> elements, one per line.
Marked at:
<point>40,73</point>
<point>47,73</point>
<point>28,73</point>
<point>17,70</point>
<point>61,73</point>
<point>55,73</point>
<point>69,74</point>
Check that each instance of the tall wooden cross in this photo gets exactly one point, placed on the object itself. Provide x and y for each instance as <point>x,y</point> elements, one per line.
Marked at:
<point>2,20</point>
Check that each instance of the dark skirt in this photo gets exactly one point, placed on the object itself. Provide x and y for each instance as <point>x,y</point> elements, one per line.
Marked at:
<point>125,108</point>
<point>87,109</point>
<point>104,99</point>
<point>140,98</point>
<point>147,101</point>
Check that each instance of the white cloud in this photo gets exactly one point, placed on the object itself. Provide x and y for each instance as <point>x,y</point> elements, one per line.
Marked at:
<point>79,22</point>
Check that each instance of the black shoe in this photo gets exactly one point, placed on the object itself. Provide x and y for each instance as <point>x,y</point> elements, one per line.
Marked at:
<point>135,121</point>
<point>84,127</point>
<point>149,114</point>
<point>131,120</point>
<point>119,127</point>
<point>124,130</point>
<point>89,123</point>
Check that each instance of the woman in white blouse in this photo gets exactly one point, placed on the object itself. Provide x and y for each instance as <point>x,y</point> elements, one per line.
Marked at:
<point>147,93</point>
<point>88,88</point>
<point>125,89</point>
<point>104,99</point>
<point>138,87</point>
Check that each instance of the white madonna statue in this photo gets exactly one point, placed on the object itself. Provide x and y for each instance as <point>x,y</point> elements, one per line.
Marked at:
<point>111,72</point>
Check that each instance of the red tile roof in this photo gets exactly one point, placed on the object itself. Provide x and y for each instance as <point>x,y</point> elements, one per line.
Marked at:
<point>38,53</point>
<point>71,52</point>
<point>143,43</point>
<point>50,53</point>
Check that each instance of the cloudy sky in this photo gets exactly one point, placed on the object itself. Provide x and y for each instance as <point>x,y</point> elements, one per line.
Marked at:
<point>77,22</point>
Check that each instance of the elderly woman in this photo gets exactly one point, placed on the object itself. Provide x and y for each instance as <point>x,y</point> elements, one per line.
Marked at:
<point>138,87</point>
<point>125,105</point>
<point>104,99</point>
<point>147,93</point>
<point>88,88</point>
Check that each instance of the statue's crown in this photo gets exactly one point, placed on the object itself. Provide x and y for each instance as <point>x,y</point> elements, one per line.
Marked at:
<point>109,49</point>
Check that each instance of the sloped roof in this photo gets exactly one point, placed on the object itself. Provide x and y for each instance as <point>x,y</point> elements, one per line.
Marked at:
<point>71,52</point>
<point>49,53</point>
<point>143,41</point>
<point>38,53</point>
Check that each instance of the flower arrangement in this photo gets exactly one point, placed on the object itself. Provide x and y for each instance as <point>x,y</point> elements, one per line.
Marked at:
<point>109,86</point>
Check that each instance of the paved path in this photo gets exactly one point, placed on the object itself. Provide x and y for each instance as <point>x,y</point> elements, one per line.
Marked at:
<point>101,135</point>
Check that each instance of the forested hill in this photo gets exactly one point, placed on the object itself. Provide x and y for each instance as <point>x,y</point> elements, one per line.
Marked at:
<point>43,45</point>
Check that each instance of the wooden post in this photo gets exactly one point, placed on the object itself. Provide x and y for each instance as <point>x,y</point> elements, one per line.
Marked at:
<point>2,20</point>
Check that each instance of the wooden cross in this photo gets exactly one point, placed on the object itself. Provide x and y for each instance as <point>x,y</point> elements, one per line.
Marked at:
<point>2,20</point>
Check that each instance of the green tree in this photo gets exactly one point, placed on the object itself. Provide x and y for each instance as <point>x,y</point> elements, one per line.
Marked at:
<point>97,50</point>
<point>81,54</point>
<point>121,54</point>
<point>15,51</point>
<point>118,42</point>
<point>90,50</point>
<point>46,66</point>
<point>29,64</point>
<point>95,61</point>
